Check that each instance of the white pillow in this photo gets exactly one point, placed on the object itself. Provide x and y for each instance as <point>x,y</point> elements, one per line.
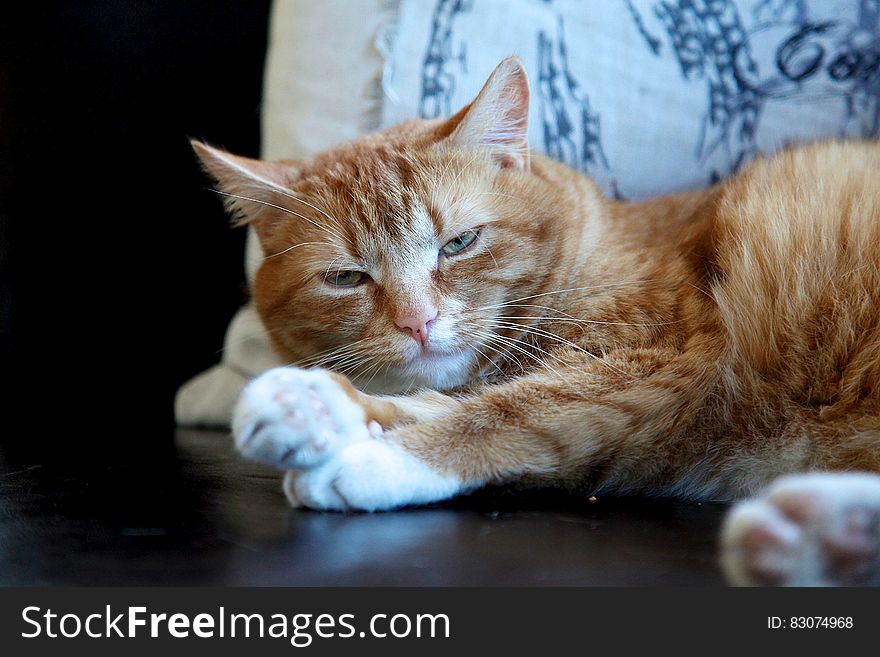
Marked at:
<point>655,96</point>
<point>646,96</point>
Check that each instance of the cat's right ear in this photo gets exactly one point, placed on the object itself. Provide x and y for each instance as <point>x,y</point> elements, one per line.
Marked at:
<point>251,189</point>
<point>498,118</point>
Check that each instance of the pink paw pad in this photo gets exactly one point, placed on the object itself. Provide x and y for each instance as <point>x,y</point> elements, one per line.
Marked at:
<point>296,419</point>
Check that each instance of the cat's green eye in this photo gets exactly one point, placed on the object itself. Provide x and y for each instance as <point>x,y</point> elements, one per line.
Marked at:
<point>458,244</point>
<point>346,278</point>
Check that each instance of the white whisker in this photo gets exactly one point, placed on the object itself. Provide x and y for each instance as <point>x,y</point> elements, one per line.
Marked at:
<point>553,336</point>
<point>489,360</point>
<point>571,289</point>
<point>487,337</point>
<point>314,207</point>
<point>296,246</point>
<point>513,343</point>
<point>283,209</point>
<point>571,319</point>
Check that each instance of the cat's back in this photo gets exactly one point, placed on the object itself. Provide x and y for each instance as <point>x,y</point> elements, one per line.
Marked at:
<point>797,246</point>
<point>811,185</point>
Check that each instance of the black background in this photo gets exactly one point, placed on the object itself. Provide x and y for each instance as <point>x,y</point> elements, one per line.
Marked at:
<point>118,270</point>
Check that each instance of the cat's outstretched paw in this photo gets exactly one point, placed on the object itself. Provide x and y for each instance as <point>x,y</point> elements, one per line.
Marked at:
<point>369,476</point>
<point>817,529</point>
<point>294,418</point>
<point>302,421</point>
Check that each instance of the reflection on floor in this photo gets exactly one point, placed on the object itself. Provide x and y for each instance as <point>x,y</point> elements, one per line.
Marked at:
<point>197,514</point>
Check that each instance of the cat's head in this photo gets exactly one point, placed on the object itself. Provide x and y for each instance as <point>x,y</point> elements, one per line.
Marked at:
<point>388,259</point>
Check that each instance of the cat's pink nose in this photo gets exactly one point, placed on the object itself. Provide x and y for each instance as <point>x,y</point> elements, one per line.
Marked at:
<point>417,325</point>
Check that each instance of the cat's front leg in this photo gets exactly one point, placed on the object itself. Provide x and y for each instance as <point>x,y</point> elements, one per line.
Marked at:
<point>540,428</point>
<point>313,424</point>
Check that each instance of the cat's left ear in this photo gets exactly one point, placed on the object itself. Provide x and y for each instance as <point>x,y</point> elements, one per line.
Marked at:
<point>498,119</point>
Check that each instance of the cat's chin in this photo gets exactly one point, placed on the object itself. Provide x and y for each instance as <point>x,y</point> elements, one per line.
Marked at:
<point>437,370</point>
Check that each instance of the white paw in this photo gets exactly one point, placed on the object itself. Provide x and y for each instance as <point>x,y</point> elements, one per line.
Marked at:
<point>295,418</point>
<point>818,529</point>
<point>369,476</point>
<point>303,422</point>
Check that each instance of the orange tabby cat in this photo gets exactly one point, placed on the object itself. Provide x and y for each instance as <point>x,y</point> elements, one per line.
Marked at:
<point>523,328</point>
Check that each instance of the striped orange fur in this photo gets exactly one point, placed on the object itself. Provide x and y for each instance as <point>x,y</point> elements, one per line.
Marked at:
<point>699,344</point>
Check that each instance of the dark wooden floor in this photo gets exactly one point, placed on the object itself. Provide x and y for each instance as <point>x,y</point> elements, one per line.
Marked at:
<point>196,514</point>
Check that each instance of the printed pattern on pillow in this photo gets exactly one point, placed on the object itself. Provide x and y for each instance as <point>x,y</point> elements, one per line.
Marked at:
<point>651,96</point>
